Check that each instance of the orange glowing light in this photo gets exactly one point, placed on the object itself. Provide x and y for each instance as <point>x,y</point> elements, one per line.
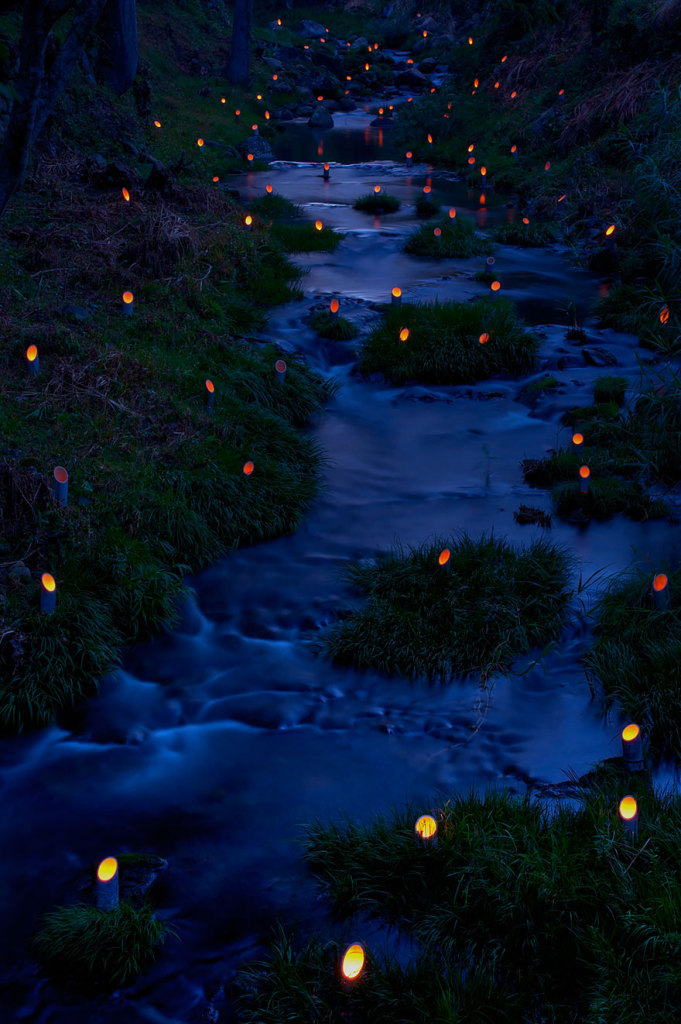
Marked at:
<point>275,78</point>
<point>280,366</point>
<point>483,199</point>
<point>664,314</point>
<point>223,99</point>
<point>334,305</point>
<point>215,179</point>
<point>561,92</point>
<point>318,225</point>
<point>514,149</point>
<point>660,582</point>
<point>526,220</point>
<point>199,143</point>
<point>630,732</point>
<point>366,67</point>
<point>107,869</point>
<point>471,160</point>
<point>452,213</point>
<point>578,438</point>
<point>259,96</point>
<point>326,167</point>
<point>32,353</point>
<point>476,83</point>
<point>375,45</point>
<point>483,171</point>
<point>267,115</point>
<point>268,189</point>
<point>348,78</point>
<point>471,148</point>
<point>424,34</point>
<point>430,140</point>
<point>377,189</point>
<point>547,165</point>
<point>60,475</point>
<point>561,198</point>
<point>628,808</point>
<point>470,40</point>
<point>397,292</point>
<point>495,286</point>
<point>404,334</point>
<point>249,157</point>
<point>353,961</point>
<point>514,94</point>
<point>128,298</point>
<point>210,387</point>
<point>437,232</point>
<point>484,338</point>
<point>380,110</point>
<point>426,190</point>
<point>584,472</point>
<point>248,220</point>
<point>238,113</point>
<point>408,155</point>
<point>410,61</point>
<point>125,194</point>
<point>48,582</point>
<point>504,59</point>
<point>279,22</point>
<point>248,468</point>
<point>157,124</point>
<point>610,230</point>
<point>319,99</point>
<point>497,84</point>
<point>426,826</point>
<point>254,127</point>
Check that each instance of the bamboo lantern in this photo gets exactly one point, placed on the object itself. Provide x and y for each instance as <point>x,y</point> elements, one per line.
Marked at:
<point>632,752</point>
<point>106,888</point>
<point>48,594</point>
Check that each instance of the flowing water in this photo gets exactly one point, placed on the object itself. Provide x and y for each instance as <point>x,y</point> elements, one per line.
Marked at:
<point>217,741</point>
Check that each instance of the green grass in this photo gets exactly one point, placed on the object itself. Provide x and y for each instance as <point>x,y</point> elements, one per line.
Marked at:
<point>606,498</point>
<point>610,389</point>
<point>444,346</point>
<point>337,328</point>
<point>382,202</point>
<point>106,948</point>
<point>493,603</point>
<point>274,206</point>
<point>426,207</point>
<point>518,914</point>
<point>635,663</point>
<point>526,235</point>
<point>305,237</point>
<point>457,240</point>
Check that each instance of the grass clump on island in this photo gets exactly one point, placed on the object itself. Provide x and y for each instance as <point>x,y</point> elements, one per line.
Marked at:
<point>614,448</point>
<point>336,328</point>
<point>492,603</point>
<point>535,233</point>
<point>377,202</point>
<point>457,239</point>
<point>305,237</point>
<point>275,206</point>
<point>519,913</point>
<point>635,662</point>
<point>106,948</point>
<point>450,342</point>
<point>156,482</point>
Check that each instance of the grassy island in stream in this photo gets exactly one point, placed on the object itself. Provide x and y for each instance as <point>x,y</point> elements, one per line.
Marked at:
<point>518,914</point>
<point>456,239</point>
<point>489,603</point>
<point>449,342</point>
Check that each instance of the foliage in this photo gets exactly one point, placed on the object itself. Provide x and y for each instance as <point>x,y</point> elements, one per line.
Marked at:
<point>109,948</point>
<point>488,605</point>
<point>305,237</point>
<point>457,240</point>
<point>337,328</point>
<point>381,202</point>
<point>535,233</point>
<point>444,345</point>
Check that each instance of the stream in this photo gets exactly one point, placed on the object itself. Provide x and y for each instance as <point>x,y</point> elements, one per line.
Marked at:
<point>215,742</point>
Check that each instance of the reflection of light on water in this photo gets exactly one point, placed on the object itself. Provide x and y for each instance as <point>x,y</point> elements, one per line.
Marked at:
<point>320,148</point>
<point>377,222</point>
<point>482,218</point>
<point>380,138</point>
<point>367,135</point>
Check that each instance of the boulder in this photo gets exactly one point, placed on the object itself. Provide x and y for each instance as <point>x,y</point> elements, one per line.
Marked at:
<point>321,118</point>
<point>312,30</point>
<point>259,147</point>
<point>345,103</point>
<point>360,43</point>
<point>412,79</point>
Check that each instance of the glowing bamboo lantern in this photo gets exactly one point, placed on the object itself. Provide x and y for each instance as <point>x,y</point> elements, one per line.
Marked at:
<point>268,190</point>
<point>514,151</point>
<point>318,225</point>
<point>32,360</point>
<point>632,751</point>
<point>267,115</point>
<point>366,67</point>
<point>470,40</point>
<point>660,592</point>
<point>427,190</point>
<point>577,440</point>
<point>561,95</point>
<point>547,165</point>
<point>125,194</point>
<point>584,475</point>
<point>484,338</point>
<point>254,129</point>
<point>471,147</point>
<point>514,94</point>
<point>430,139</point>
<point>237,115</point>
<point>248,222</point>
<point>210,395</point>
<point>200,143</point>
<point>452,213</point>
<point>483,199</point>
<point>562,198</point>
<point>495,286</point>
<point>248,468</point>
<point>497,84</point>
<point>259,96</point>
<point>476,83</point>
<point>628,809</point>
<point>223,99</point>
<point>404,334</point>
<point>48,594</point>
<point>504,59</point>
<point>128,303</point>
<point>157,124</point>
<point>471,161</point>
<point>425,828</point>
<point>106,888</point>
<point>60,485</point>
<point>278,22</point>
<point>408,157</point>
<point>424,34</point>
<point>664,315</point>
<point>526,220</point>
<point>396,296</point>
<point>326,172</point>
<point>610,238</point>
<point>377,190</point>
<point>334,307</point>
<point>444,561</point>
<point>438,233</point>
<point>215,179</point>
<point>279,375</point>
<point>352,964</point>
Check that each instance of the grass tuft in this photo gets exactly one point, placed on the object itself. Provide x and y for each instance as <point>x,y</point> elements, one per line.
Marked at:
<point>382,202</point>
<point>457,240</point>
<point>535,233</point>
<point>337,328</point>
<point>493,603</point>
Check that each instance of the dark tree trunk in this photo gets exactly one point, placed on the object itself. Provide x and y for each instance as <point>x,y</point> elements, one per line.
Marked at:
<point>239,66</point>
<point>36,87</point>
<point>117,64</point>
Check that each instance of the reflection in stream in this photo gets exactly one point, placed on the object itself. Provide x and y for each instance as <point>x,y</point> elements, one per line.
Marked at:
<point>218,740</point>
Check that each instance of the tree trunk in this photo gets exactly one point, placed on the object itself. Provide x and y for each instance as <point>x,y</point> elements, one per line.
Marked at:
<point>117,64</point>
<point>239,66</point>
<point>37,89</point>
